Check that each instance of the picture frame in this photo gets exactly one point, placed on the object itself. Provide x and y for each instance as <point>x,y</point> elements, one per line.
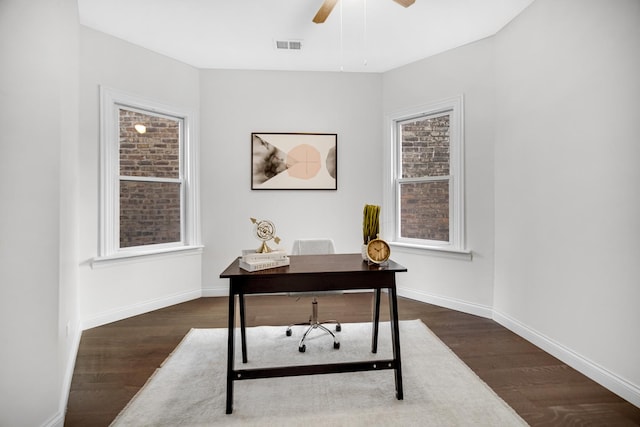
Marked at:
<point>294,161</point>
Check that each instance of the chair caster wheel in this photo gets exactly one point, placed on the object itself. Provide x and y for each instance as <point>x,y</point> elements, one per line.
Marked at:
<point>302,348</point>
<point>338,328</point>
<point>336,345</point>
<point>288,332</point>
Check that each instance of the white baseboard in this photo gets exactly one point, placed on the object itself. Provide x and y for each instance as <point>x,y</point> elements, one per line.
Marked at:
<point>215,292</point>
<point>597,373</point>
<point>454,304</point>
<point>602,376</point>
<point>58,419</point>
<point>140,308</point>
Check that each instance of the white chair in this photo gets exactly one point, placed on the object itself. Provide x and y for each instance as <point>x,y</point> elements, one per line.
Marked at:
<point>314,247</point>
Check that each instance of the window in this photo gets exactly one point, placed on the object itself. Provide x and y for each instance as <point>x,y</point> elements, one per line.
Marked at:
<point>424,195</point>
<point>148,177</point>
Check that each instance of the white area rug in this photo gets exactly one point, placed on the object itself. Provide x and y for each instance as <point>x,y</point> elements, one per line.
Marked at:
<point>439,390</point>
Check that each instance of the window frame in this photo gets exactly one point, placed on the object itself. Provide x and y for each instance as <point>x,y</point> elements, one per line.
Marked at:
<point>111,101</point>
<point>393,179</point>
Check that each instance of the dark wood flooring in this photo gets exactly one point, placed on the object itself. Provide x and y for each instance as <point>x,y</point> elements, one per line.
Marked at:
<point>114,361</point>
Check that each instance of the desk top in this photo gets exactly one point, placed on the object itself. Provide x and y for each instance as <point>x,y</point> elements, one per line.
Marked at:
<point>317,264</point>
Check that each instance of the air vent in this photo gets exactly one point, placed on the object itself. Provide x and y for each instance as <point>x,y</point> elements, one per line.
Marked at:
<point>288,44</point>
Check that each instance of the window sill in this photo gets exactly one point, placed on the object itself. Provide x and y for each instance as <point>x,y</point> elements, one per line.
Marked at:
<point>129,257</point>
<point>433,250</point>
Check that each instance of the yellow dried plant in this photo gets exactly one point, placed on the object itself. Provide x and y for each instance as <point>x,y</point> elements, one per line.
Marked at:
<point>370,222</point>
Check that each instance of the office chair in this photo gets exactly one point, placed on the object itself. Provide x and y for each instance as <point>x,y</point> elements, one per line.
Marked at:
<point>314,247</point>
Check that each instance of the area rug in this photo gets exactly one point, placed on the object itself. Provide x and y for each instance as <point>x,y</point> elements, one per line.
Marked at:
<point>189,389</point>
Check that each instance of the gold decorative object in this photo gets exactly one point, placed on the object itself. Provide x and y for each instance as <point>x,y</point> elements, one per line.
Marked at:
<point>265,231</point>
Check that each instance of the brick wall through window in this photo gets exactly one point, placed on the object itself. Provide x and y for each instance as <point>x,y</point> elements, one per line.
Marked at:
<point>424,205</point>
<point>150,189</point>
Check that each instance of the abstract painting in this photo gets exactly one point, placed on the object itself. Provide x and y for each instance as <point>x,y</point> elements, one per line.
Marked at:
<point>294,161</point>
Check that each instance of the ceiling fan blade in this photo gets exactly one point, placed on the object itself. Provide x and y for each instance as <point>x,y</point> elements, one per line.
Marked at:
<point>324,11</point>
<point>405,3</point>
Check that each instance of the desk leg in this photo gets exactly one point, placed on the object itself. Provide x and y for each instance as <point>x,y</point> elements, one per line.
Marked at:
<point>395,336</point>
<point>243,329</point>
<point>230,350</point>
<point>376,320</point>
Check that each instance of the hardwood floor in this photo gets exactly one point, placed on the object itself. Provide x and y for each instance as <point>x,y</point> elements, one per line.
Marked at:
<point>114,361</point>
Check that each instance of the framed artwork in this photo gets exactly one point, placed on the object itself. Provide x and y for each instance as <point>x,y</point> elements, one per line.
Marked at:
<point>294,161</point>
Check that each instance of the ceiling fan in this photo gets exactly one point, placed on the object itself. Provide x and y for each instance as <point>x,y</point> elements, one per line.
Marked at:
<point>327,7</point>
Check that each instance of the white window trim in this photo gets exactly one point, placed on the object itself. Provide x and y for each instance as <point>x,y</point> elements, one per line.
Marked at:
<point>110,101</point>
<point>391,156</point>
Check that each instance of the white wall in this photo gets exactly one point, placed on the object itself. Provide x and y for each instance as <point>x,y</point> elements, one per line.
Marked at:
<point>237,103</point>
<point>567,197</point>
<point>455,281</point>
<point>119,290</point>
<point>38,98</point>
<point>560,102</point>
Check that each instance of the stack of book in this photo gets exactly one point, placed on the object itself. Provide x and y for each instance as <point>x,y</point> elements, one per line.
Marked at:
<point>254,261</point>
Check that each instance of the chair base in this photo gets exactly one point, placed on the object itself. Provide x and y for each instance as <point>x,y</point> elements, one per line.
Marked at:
<point>313,324</point>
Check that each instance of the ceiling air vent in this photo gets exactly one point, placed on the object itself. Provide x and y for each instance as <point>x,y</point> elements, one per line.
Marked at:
<point>289,44</point>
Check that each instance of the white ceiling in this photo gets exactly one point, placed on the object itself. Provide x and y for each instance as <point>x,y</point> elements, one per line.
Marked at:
<point>358,36</point>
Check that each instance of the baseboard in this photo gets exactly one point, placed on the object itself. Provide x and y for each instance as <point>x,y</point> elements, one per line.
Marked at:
<point>454,304</point>
<point>140,308</point>
<point>58,419</point>
<point>597,373</point>
<point>215,292</point>
<point>602,376</point>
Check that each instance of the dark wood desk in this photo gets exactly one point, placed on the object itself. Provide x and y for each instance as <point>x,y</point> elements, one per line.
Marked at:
<point>314,273</point>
